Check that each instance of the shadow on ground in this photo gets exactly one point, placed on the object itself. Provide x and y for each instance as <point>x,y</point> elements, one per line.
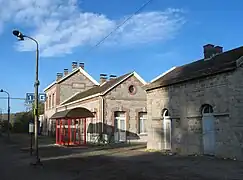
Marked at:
<point>133,164</point>
<point>127,162</point>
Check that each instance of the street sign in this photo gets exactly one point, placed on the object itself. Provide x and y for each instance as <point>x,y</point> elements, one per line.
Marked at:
<point>30,97</point>
<point>42,97</point>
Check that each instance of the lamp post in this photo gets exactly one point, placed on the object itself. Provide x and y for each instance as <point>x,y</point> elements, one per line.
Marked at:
<point>8,111</point>
<point>21,37</point>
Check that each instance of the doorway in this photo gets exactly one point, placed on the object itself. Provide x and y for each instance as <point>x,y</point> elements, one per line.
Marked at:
<point>167,129</point>
<point>120,126</point>
<point>208,130</point>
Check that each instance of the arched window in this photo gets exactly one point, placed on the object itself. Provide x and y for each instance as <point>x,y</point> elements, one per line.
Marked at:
<point>207,109</point>
<point>165,113</point>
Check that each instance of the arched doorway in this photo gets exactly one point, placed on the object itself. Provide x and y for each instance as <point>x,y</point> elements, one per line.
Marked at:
<point>208,130</point>
<point>166,129</point>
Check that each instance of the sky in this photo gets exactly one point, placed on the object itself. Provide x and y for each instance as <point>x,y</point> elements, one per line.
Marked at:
<point>166,33</point>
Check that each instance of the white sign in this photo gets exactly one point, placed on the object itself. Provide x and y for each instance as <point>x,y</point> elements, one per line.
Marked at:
<point>31,128</point>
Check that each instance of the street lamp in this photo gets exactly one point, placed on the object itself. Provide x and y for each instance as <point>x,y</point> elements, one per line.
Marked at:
<point>8,110</point>
<point>21,37</point>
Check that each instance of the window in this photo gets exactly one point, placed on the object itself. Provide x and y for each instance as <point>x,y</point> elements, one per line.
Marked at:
<point>132,89</point>
<point>207,109</point>
<point>53,100</point>
<point>49,106</point>
<point>165,113</point>
<point>94,122</point>
<point>142,123</point>
<point>46,103</point>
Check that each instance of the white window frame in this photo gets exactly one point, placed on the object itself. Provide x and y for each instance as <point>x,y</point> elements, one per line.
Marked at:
<point>143,119</point>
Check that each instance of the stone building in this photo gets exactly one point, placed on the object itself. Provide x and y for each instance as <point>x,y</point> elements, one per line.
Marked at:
<point>65,85</point>
<point>119,107</point>
<point>197,108</point>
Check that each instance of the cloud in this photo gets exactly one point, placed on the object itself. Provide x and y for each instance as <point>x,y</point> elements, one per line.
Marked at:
<point>60,25</point>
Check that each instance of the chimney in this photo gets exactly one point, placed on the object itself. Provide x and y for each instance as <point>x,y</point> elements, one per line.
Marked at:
<point>208,50</point>
<point>81,65</point>
<point>218,49</point>
<point>103,78</point>
<point>211,50</point>
<point>74,65</point>
<point>59,76</point>
<point>112,76</point>
<point>65,72</point>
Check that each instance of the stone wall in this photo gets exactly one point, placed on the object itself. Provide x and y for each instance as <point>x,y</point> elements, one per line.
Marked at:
<point>184,101</point>
<point>75,83</point>
<point>119,99</point>
<point>233,144</point>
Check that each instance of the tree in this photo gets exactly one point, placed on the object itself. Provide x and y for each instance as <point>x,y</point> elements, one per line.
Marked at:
<point>40,107</point>
<point>21,123</point>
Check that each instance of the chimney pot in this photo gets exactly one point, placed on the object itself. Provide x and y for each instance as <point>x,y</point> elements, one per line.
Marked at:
<point>65,72</point>
<point>218,49</point>
<point>74,65</point>
<point>112,76</point>
<point>103,78</point>
<point>81,65</point>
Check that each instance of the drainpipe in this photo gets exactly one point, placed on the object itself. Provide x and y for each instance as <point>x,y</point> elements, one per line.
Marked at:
<point>102,113</point>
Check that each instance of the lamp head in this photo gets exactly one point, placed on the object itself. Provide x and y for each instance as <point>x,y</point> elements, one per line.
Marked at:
<point>18,34</point>
<point>1,90</point>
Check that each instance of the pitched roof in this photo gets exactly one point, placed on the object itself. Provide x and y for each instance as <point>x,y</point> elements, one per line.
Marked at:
<point>72,73</point>
<point>217,64</point>
<point>98,89</point>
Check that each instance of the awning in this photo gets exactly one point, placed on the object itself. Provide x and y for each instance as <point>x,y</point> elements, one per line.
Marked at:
<point>75,113</point>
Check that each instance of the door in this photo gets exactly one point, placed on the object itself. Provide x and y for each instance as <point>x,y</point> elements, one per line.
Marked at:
<point>120,127</point>
<point>167,133</point>
<point>208,134</point>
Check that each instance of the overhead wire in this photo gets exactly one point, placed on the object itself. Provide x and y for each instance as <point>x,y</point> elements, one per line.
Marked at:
<point>120,25</point>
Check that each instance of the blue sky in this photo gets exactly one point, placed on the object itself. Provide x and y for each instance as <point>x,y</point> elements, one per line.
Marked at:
<point>165,34</point>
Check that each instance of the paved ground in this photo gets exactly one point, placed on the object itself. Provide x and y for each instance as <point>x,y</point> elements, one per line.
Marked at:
<point>130,162</point>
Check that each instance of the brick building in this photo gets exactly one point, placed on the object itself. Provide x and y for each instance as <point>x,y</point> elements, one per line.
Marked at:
<point>197,107</point>
<point>65,85</point>
<point>119,107</point>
